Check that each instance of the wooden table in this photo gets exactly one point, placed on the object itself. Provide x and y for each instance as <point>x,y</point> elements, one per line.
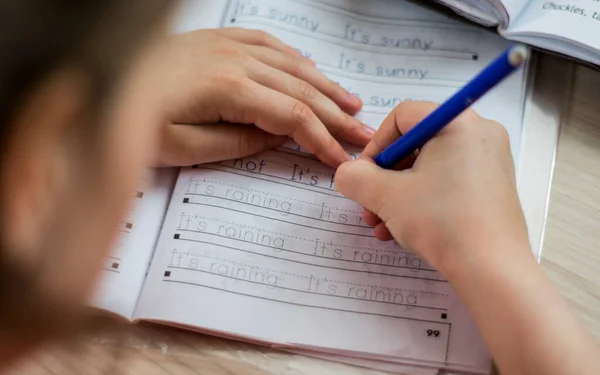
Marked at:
<point>571,258</point>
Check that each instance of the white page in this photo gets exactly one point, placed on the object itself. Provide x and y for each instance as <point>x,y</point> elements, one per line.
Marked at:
<point>512,8</point>
<point>125,269</point>
<point>266,249</point>
<point>200,14</point>
<point>484,12</point>
<point>571,28</point>
<point>487,12</point>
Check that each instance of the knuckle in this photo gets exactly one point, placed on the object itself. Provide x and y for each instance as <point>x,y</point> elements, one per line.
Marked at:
<point>409,112</point>
<point>301,114</point>
<point>333,85</point>
<point>304,63</point>
<point>307,91</point>
<point>467,121</point>
<point>500,133</point>
<point>470,116</point>
<point>229,52</point>
<point>343,119</point>
<point>405,105</point>
<point>262,38</point>
<point>408,108</point>
<point>294,65</point>
<point>229,79</point>
<point>410,105</point>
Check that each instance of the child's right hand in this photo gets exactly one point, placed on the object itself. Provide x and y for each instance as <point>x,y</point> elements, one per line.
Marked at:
<point>459,195</point>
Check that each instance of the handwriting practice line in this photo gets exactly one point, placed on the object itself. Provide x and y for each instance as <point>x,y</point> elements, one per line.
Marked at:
<point>305,305</point>
<point>276,210</point>
<point>309,292</point>
<point>307,263</point>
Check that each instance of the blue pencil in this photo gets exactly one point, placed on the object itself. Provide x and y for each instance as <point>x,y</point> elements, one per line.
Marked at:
<point>416,137</point>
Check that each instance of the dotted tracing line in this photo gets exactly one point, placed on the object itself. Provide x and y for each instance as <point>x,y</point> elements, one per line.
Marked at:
<point>260,191</point>
<point>389,288</point>
<point>277,195</point>
<point>302,238</point>
<point>346,210</point>
<point>326,279</point>
<point>251,227</point>
<point>249,266</point>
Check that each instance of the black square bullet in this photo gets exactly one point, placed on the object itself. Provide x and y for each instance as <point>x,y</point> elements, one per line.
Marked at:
<point>186,200</point>
<point>115,265</point>
<point>176,236</point>
<point>444,315</point>
<point>128,225</point>
<point>167,273</point>
<point>139,194</point>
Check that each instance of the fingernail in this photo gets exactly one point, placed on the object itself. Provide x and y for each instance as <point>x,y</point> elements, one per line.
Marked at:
<point>354,99</point>
<point>296,52</point>
<point>368,130</point>
<point>347,157</point>
<point>311,61</point>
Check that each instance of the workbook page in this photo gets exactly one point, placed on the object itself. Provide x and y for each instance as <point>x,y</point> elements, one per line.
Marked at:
<point>265,248</point>
<point>571,28</point>
<point>484,12</point>
<point>512,8</point>
<point>125,268</point>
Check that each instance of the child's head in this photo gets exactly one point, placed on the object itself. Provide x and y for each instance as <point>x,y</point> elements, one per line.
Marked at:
<point>76,130</point>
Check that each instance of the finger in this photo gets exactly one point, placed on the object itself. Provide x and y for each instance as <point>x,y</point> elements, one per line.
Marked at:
<point>370,218</point>
<point>368,185</point>
<point>406,115</point>
<point>289,64</point>
<point>259,38</point>
<point>184,145</point>
<point>337,121</point>
<point>382,232</point>
<point>280,114</point>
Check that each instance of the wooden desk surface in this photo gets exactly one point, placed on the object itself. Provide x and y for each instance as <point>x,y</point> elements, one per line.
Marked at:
<point>571,258</point>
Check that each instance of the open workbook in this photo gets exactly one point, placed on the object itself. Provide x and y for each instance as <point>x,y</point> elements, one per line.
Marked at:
<point>571,28</point>
<point>264,249</point>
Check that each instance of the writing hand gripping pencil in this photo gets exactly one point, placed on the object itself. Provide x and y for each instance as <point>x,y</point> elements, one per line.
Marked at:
<point>458,208</point>
<point>417,136</point>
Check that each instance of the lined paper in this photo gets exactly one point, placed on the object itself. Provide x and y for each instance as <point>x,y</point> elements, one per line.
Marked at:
<point>125,268</point>
<point>266,249</point>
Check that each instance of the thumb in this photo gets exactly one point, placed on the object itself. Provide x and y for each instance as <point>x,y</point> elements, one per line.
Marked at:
<point>367,184</point>
<point>196,144</point>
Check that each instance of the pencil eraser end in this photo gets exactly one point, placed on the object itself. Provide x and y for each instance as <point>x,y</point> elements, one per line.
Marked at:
<point>518,55</point>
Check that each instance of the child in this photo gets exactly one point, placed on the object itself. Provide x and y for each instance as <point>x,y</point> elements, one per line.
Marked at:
<point>92,92</point>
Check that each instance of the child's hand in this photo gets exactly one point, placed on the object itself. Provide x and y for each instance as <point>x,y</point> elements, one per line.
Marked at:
<point>217,78</point>
<point>459,195</point>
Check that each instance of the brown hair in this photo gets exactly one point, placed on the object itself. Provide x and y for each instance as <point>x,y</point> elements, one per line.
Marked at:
<point>37,37</point>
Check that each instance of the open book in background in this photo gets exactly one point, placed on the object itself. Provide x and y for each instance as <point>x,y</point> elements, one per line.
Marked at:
<point>568,28</point>
<point>264,249</point>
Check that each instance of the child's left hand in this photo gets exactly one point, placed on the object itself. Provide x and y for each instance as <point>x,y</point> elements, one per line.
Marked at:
<point>233,92</point>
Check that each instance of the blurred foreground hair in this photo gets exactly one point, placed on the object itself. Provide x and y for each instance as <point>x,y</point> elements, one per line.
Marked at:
<point>37,38</point>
